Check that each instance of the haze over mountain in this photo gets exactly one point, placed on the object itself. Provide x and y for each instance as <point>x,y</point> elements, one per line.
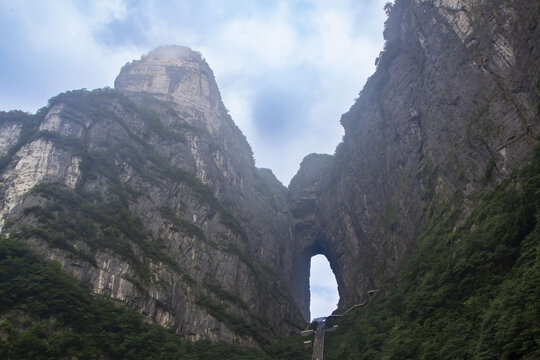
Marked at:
<point>282,66</point>
<point>148,194</point>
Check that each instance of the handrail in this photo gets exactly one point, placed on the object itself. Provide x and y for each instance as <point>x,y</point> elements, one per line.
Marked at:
<point>369,293</point>
<point>318,346</point>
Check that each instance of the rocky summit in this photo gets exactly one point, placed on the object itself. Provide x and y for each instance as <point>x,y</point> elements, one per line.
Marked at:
<point>452,109</point>
<point>148,193</point>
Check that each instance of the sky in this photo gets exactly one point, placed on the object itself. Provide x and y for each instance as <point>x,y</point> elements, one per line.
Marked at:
<point>286,70</point>
<point>323,288</point>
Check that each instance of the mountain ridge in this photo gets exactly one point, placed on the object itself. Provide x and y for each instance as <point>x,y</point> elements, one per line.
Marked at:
<point>149,193</point>
<point>158,188</point>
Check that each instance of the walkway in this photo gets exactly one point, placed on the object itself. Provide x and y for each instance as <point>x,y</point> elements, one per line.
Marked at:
<point>318,342</point>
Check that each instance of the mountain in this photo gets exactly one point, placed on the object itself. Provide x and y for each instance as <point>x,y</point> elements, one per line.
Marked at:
<point>432,196</point>
<point>148,195</point>
<point>452,109</point>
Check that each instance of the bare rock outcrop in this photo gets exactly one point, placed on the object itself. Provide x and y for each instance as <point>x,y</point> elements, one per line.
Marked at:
<point>452,109</point>
<point>149,194</point>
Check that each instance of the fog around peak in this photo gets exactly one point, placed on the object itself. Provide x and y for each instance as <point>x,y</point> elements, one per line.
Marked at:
<point>286,70</point>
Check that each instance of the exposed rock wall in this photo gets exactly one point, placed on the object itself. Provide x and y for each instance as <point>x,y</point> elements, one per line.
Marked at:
<point>150,195</point>
<point>453,107</point>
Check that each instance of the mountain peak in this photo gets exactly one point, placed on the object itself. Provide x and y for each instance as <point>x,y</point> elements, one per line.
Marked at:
<point>174,74</point>
<point>173,54</point>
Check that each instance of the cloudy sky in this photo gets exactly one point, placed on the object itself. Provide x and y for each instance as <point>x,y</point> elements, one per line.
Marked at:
<point>287,70</point>
<point>323,288</point>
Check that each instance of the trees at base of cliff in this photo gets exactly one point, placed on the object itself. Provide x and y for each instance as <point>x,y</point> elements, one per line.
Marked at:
<point>468,291</point>
<point>45,314</point>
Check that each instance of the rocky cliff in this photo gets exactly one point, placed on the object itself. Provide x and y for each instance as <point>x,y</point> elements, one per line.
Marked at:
<point>452,109</point>
<point>148,193</point>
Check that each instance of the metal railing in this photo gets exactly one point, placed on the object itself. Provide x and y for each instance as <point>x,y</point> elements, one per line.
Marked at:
<point>318,341</point>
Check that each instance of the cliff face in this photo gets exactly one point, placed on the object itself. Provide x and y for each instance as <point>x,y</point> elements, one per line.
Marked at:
<point>149,194</point>
<point>452,109</point>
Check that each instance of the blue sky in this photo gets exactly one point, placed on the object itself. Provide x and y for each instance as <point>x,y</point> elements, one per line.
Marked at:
<point>286,70</point>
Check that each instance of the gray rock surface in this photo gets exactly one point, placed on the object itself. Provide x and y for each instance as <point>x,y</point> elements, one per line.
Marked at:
<point>193,234</point>
<point>452,108</point>
<point>149,194</point>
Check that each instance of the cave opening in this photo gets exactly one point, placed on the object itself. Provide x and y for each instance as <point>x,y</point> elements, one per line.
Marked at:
<point>323,287</point>
<point>316,278</point>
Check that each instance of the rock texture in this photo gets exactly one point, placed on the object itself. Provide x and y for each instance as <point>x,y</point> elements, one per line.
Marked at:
<point>452,108</point>
<point>150,195</point>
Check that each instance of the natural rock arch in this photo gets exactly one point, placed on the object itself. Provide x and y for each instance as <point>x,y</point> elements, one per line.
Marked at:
<point>301,273</point>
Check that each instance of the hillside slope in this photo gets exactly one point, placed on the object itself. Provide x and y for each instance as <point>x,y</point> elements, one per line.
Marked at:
<point>432,196</point>
<point>148,193</point>
<point>453,109</point>
<point>469,290</point>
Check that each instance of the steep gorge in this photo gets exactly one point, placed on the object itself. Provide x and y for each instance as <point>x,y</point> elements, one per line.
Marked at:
<point>149,193</point>
<point>451,110</point>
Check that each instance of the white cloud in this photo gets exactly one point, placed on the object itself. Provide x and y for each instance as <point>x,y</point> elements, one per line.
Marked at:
<point>325,41</point>
<point>318,53</point>
<point>56,51</point>
<point>262,42</point>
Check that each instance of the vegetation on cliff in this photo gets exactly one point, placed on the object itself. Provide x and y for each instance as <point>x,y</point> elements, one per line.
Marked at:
<point>45,314</point>
<point>470,290</point>
<point>111,136</point>
<point>409,194</point>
